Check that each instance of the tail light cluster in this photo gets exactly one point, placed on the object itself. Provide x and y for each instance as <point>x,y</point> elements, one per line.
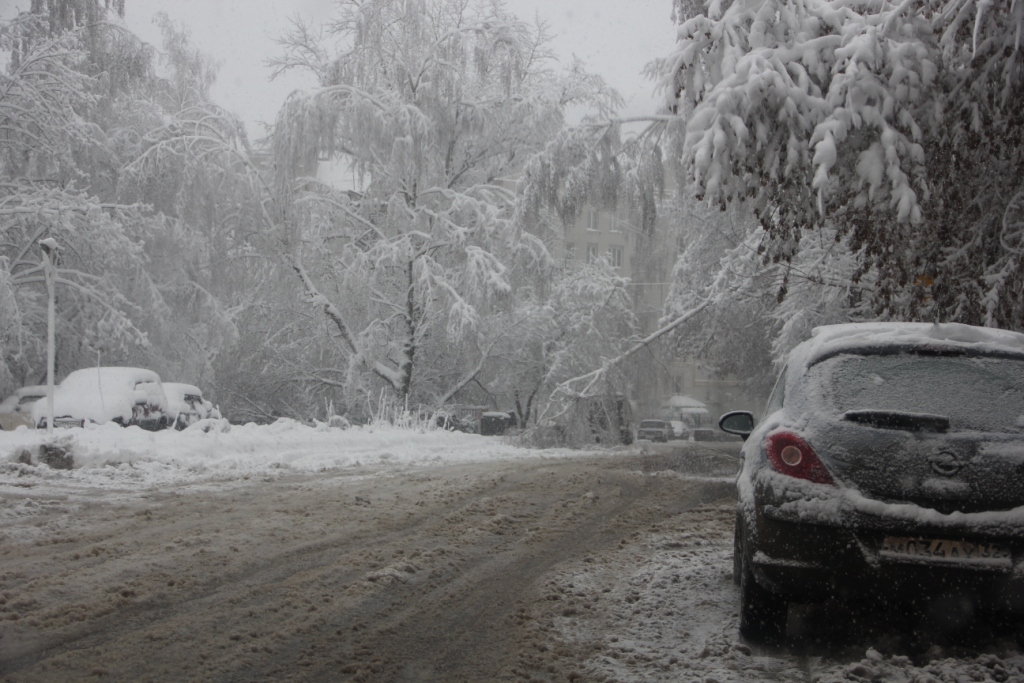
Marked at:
<point>790,455</point>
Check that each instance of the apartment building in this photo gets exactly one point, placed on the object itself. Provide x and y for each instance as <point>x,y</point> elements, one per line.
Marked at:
<point>647,259</point>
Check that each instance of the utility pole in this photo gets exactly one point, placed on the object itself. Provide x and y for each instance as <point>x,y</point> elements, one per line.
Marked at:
<point>49,249</point>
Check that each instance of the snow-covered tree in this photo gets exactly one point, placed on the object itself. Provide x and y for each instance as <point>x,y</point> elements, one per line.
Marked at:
<point>894,128</point>
<point>433,107</point>
<point>190,161</point>
<point>581,317</point>
<point>51,152</point>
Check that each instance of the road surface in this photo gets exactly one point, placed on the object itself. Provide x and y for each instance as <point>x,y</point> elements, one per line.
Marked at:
<point>610,568</point>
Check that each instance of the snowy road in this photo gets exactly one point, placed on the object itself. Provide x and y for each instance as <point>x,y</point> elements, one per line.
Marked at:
<point>612,568</point>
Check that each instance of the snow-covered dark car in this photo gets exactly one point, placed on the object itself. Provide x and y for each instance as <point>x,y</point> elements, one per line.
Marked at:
<point>889,464</point>
<point>125,396</point>
<point>654,430</point>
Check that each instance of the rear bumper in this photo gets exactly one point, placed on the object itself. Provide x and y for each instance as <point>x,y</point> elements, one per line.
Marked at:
<point>809,562</point>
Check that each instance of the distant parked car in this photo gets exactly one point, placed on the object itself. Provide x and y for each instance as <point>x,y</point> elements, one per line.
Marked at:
<point>704,434</point>
<point>654,430</point>
<point>16,409</point>
<point>125,396</point>
<point>494,423</point>
<point>888,464</point>
<point>186,405</point>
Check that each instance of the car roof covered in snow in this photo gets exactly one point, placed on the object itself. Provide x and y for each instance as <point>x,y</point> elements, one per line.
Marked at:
<point>102,394</point>
<point>828,340</point>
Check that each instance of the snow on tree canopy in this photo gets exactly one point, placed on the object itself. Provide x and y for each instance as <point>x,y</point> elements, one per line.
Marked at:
<point>434,106</point>
<point>877,144</point>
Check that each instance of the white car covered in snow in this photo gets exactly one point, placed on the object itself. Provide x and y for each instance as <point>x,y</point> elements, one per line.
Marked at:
<point>16,409</point>
<point>186,405</point>
<point>125,396</point>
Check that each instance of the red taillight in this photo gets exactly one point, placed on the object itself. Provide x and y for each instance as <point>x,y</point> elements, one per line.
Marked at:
<point>789,454</point>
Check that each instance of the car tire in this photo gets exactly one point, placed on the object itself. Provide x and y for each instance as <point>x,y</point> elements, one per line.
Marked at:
<point>762,613</point>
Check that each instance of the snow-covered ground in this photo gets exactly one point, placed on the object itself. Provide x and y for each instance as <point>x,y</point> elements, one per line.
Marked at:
<point>130,459</point>
<point>663,607</point>
<point>654,603</point>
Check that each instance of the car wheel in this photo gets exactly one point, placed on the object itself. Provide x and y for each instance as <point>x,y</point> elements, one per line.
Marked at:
<point>762,613</point>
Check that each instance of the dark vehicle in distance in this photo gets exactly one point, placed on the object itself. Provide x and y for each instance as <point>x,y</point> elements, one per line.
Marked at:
<point>654,430</point>
<point>888,465</point>
<point>704,434</point>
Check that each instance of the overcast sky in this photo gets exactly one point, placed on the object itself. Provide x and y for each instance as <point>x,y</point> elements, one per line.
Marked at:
<point>615,38</point>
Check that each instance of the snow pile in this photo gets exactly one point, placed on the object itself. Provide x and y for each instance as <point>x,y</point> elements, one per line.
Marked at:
<point>112,456</point>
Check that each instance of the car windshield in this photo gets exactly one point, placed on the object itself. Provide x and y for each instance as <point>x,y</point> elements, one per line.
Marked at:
<point>974,393</point>
<point>652,424</point>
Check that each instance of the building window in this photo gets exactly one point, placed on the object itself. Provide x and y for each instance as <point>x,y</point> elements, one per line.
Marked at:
<point>570,251</point>
<point>592,252</point>
<point>614,225</point>
<point>615,256</point>
<point>593,224</point>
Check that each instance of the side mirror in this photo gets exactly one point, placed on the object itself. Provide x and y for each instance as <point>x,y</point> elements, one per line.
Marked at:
<point>739,422</point>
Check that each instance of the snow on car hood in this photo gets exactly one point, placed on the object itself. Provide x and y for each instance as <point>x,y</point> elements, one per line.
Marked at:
<point>176,393</point>
<point>10,404</point>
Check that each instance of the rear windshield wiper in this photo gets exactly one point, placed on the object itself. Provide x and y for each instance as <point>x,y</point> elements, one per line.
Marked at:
<point>892,419</point>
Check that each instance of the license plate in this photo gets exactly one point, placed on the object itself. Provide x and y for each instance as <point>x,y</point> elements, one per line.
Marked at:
<point>67,422</point>
<point>942,551</point>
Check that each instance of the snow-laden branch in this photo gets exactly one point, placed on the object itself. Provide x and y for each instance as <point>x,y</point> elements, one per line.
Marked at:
<point>583,386</point>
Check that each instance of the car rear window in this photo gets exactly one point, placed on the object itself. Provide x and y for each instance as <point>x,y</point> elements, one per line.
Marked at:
<point>974,393</point>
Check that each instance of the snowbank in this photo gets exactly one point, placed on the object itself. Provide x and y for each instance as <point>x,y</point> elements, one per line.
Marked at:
<point>109,456</point>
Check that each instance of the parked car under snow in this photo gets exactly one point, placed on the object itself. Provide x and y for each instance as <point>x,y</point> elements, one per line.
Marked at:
<point>16,409</point>
<point>889,465</point>
<point>126,396</point>
<point>186,405</point>
<point>654,430</point>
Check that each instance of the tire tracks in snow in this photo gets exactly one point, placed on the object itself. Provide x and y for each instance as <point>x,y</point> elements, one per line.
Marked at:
<point>413,576</point>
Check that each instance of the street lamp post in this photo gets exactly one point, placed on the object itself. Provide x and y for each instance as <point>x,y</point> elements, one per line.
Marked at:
<point>49,249</point>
